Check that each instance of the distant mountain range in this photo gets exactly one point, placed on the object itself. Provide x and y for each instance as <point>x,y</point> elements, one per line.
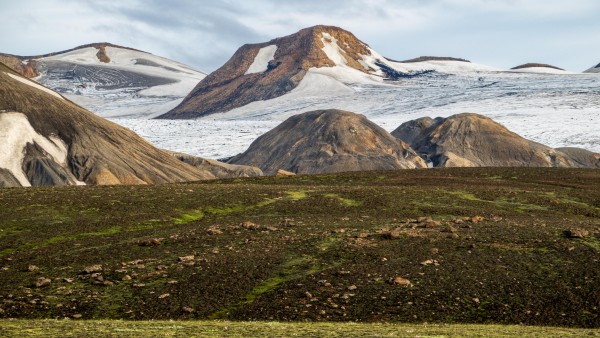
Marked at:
<point>312,79</point>
<point>319,56</point>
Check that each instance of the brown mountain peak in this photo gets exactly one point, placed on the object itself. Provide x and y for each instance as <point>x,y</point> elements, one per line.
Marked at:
<point>267,70</point>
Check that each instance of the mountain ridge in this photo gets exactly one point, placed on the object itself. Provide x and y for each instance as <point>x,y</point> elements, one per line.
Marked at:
<point>63,144</point>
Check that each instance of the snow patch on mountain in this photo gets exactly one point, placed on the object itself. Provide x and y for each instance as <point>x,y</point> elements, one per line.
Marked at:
<point>15,133</point>
<point>34,85</point>
<point>262,59</point>
<point>332,50</point>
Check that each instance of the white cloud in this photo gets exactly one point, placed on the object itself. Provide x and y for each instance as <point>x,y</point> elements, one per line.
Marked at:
<point>206,33</point>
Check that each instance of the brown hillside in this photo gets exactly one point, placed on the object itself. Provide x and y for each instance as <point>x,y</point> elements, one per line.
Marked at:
<point>328,141</point>
<point>472,140</point>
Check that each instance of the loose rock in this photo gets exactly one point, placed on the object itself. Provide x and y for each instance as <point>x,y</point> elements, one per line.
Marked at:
<point>41,282</point>
<point>394,234</point>
<point>152,242</point>
<point>282,172</point>
<point>92,268</point>
<point>213,230</point>
<point>576,233</point>
<point>401,281</point>
<point>249,225</point>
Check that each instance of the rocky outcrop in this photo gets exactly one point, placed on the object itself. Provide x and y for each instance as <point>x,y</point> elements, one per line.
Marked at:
<point>267,70</point>
<point>581,157</point>
<point>48,140</point>
<point>328,141</point>
<point>218,169</point>
<point>472,140</point>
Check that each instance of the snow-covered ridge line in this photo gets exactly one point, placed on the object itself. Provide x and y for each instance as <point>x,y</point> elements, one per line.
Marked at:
<point>262,59</point>
<point>34,85</point>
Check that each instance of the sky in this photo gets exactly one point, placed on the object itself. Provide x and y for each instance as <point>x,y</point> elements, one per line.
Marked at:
<point>205,33</point>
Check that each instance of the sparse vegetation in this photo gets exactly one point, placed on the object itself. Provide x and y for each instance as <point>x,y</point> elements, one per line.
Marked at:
<point>462,245</point>
<point>71,328</point>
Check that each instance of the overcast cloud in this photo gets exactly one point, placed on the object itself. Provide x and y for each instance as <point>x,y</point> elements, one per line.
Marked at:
<point>204,34</point>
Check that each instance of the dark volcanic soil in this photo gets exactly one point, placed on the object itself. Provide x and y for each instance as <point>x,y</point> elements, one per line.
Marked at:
<point>327,247</point>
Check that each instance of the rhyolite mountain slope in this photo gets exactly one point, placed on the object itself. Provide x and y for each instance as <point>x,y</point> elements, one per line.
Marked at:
<point>472,140</point>
<point>314,56</point>
<point>111,80</point>
<point>48,140</point>
<point>328,141</point>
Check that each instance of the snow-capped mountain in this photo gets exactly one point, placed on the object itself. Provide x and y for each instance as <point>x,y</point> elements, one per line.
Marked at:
<point>264,84</point>
<point>110,80</point>
<point>319,59</point>
<point>48,140</point>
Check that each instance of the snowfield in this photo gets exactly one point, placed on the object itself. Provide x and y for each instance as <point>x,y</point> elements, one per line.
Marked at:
<point>133,83</point>
<point>554,109</point>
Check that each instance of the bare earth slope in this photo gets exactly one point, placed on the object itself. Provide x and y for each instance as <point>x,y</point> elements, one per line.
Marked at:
<point>472,140</point>
<point>328,141</point>
<point>49,140</point>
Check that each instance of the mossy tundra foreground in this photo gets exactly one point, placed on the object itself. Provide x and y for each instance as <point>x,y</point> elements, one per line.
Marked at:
<point>112,328</point>
<point>477,245</point>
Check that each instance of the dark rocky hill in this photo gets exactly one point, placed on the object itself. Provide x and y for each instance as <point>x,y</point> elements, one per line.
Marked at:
<point>472,140</point>
<point>328,141</point>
